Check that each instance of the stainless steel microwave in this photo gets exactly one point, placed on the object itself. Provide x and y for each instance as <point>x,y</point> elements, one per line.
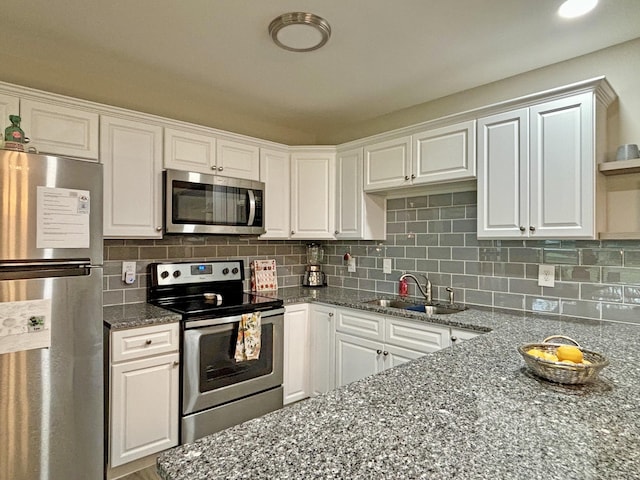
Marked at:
<point>200,203</point>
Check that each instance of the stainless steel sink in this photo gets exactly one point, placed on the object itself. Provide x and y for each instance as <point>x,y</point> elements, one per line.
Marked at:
<point>431,309</point>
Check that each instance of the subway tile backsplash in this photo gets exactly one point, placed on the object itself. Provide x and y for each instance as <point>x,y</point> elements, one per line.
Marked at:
<point>432,235</point>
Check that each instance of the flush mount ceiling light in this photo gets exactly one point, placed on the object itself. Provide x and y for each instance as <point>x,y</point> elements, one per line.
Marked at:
<point>576,8</point>
<point>299,31</point>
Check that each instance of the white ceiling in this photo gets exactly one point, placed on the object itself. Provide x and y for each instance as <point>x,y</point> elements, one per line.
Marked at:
<point>384,55</point>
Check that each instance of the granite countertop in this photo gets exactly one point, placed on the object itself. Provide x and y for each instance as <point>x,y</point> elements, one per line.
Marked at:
<point>120,317</point>
<point>471,411</point>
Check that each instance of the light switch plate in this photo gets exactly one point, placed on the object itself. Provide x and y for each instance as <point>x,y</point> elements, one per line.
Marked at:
<point>546,275</point>
<point>386,265</point>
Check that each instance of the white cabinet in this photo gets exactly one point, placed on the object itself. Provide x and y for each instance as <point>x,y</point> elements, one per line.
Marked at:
<point>9,105</point>
<point>131,152</point>
<point>296,353</point>
<point>445,154</point>
<point>199,151</point>
<point>190,151</point>
<point>275,173</point>
<point>239,160</point>
<point>458,335</point>
<point>359,215</point>
<point>144,392</point>
<point>322,358</point>
<point>368,343</point>
<point>387,164</point>
<point>436,155</point>
<point>313,194</point>
<point>60,130</point>
<point>536,170</point>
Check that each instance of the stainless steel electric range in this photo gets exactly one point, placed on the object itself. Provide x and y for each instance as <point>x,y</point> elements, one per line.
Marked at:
<point>218,391</point>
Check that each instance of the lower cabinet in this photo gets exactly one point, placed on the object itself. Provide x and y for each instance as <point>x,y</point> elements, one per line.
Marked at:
<point>296,353</point>
<point>322,344</point>
<point>458,336</point>
<point>143,392</point>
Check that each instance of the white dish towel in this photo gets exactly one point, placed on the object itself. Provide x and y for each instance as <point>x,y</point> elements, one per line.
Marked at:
<point>248,342</point>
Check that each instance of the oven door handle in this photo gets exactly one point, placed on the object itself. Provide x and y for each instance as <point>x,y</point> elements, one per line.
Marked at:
<point>189,324</point>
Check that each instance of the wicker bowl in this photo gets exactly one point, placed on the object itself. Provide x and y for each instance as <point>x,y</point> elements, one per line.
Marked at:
<point>558,372</point>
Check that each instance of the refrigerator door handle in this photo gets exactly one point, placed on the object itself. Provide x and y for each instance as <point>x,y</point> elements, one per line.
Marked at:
<point>18,270</point>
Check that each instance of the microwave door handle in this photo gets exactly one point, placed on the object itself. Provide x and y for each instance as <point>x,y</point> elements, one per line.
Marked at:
<point>252,207</point>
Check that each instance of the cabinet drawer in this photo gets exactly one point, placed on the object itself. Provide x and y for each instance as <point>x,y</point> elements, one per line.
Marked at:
<point>144,342</point>
<point>416,335</point>
<point>364,325</point>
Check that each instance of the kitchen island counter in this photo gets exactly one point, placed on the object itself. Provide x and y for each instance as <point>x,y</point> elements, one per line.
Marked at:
<point>471,411</point>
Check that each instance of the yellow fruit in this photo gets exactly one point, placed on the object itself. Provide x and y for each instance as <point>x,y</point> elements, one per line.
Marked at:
<point>550,357</point>
<point>586,362</point>
<point>569,352</point>
<point>534,352</point>
<point>568,361</point>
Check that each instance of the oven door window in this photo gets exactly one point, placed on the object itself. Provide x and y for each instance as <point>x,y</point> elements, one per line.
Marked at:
<point>218,367</point>
<point>204,204</point>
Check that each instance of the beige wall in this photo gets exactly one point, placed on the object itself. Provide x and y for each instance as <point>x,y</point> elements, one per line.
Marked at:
<point>620,64</point>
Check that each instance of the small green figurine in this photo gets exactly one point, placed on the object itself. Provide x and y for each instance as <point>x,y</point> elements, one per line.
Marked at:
<point>13,133</point>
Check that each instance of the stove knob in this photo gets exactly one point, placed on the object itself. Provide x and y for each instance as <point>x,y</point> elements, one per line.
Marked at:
<point>164,274</point>
<point>235,270</point>
<point>225,271</point>
<point>176,274</point>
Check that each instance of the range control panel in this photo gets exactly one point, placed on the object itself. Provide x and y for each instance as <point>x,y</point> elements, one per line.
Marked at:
<point>197,272</point>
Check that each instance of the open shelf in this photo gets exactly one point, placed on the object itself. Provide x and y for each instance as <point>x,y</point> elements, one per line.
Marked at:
<point>620,167</point>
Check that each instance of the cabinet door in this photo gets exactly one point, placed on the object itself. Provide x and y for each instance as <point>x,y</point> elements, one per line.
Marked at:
<point>357,358</point>
<point>445,154</point>
<point>275,173</point>
<point>349,194</point>
<point>394,356</point>
<point>417,336</point>
<point>360,323</point>
<point>144,408</point>
<point>312,195</point>
<point>503,178</point>
<point>132,158</point>
<point>188,151</point>
<point>238,160</point>
<point>387,164</point>
<point>9,105</point>
<point>322,360</point>
<point>60,130</point>
<point>296,353</point>
<point>458,336</point>
<point>562,168</point>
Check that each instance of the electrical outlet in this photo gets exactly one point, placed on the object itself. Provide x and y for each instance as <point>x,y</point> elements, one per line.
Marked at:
<point>129,272</point>
<point>546,275</point>
<point>386,265</point>
<point>351,264</point>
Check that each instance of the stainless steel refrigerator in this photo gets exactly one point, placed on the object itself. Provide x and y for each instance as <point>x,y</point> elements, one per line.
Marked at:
<point>51,354</point>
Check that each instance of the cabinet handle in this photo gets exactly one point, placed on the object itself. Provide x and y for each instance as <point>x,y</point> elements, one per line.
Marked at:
<point>158,229</point>
<point>454,338</point>
<point>176,363</point>
<point>378,352</point>
<point>522,229</point>
<point>148,342</point>
<point>413,176</point>
<point>336,232</point>
<point>331,314</point>
<point>385,353</point>
<point>406,177</point>
<point>214,167</point>
<point>220,169</point>
<point>292,232</point>
<point>532,228</point>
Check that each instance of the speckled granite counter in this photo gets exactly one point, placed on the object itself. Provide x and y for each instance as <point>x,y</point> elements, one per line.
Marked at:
<point>120,317</point>
<point>468,412</point>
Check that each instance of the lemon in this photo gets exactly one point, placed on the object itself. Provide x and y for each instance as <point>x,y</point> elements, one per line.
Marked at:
<point>569,352</point>
<point>534,352</point>
<point>550,357</point>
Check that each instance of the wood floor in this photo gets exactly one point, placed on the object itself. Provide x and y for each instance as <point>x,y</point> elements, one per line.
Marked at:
<point>148,473</point>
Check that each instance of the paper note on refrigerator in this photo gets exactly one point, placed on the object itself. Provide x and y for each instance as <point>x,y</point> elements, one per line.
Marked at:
<point>25,325</point>
<point>62,218</point>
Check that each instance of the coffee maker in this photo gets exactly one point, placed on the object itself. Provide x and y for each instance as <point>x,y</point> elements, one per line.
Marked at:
<point>313,275</point>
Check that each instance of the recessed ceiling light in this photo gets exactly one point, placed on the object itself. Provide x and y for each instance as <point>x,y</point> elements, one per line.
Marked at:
<point>300,32</point>
<point>576,8</point>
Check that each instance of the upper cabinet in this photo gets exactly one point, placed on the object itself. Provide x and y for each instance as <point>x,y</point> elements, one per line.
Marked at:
<point>432,156</point>
<point>313,193</point>
<point>359,215</point>
<point>536,170</point>
<point>60,130</point>
<point>131,151</point>
<point>275,173</point>
<point>204,153</point>
<point>9,105</point>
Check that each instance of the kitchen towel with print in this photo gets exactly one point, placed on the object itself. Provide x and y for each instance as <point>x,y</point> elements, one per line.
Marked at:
<point>248,342</point>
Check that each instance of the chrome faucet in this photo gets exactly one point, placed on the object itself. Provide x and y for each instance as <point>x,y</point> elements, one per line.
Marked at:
<point>426,290</point>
